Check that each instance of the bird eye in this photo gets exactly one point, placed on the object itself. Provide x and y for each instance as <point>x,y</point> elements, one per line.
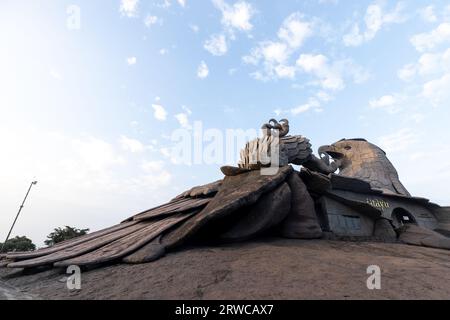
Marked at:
<point>347,147</point>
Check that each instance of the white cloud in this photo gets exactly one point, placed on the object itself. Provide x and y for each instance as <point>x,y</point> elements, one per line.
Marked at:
<point>236,16</point>
<point>216,45</point>
<point>129,7</point>
<point>276,52</point>
<point>159,112</point>
<point>319,66</point>
<point>433,63</point>
<point>430,40</point>
<point>131,61</point>
<point>187,110</point>
<point>202,70</point>
<point>151,20</point>
<point>295,30</point>
<point>96,154</point>
<point>354,38</point>
<point>274,55</point>
<point>428,14</point>
<point>437,91</point>
<point>390,103</point>
<point>195,28</point>
<point>427,65</point>
<point>163,51</point>
<point>232,71</point>
<point>407,72</point>
<point>375,19</point>
<point>183,120</point>
<point>311,104</point>
<point>154,173</point>
<point>165,4</point>
<point>283,71</point>
<point>273,58</point>
<point>152,166</point>
<point>324,96</point>
<point>398,141</point>
<point>182,3</point>
<point>131,145</point>
<point>446,13</point>
<point>312,63</point>
<point>273,52</point>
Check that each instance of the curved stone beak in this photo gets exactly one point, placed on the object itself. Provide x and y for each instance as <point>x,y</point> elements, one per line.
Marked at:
<point>329,150</point>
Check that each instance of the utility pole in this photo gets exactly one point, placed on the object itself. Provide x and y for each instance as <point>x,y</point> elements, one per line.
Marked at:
<point>18,213</point>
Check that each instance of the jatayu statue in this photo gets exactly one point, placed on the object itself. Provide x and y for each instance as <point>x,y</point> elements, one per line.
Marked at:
<point>250,202</point>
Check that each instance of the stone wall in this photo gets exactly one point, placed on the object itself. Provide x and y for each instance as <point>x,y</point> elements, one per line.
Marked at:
<point>343,220</point>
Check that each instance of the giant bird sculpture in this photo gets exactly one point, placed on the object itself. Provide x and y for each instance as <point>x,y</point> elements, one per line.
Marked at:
<point>246,203</point>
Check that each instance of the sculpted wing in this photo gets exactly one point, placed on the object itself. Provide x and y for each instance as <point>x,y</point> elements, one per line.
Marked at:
<point>119,241</point>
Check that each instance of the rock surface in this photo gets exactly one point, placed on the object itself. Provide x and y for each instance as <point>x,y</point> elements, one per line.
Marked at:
<point>263,269</point>
<point>301,223</point>
<point>383,230</point>
<point>415,235</point>
<point>267,213</point>
<point>235,192</point>
<point>8,292</point>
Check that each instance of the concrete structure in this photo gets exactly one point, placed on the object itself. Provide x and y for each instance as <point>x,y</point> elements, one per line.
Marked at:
<point>350,207</point>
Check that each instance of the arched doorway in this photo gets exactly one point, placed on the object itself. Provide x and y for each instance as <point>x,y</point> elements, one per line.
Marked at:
<point>401,217</point>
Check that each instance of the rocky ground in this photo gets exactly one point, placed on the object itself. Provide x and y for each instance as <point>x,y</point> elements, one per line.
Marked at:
<point>8,292</point>
<point>262,269</point>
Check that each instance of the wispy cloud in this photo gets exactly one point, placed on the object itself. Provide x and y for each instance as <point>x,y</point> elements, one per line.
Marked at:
<point>375,19</point>
<point>236,16</point>
<point>430,40</point>
<point>131,145</point>
<point>428,14</point>
<point>202,70</point>
<point>129,8</point>
<point>151,20</point>
<point>274,55</point>
<point>131,61</point>
<point>391,103</point>
<point>216,45</point>
<point>159,112</point>
<point>398,141</point>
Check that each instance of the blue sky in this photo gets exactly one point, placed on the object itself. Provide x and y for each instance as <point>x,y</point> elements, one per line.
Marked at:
<point>92,91</point>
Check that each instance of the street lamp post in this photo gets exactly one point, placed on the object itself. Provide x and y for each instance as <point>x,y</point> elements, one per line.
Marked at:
<point>18,213</point>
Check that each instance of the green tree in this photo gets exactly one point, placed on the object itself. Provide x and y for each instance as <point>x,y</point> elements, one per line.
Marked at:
<point>60,234</point>
<point>18,244</point>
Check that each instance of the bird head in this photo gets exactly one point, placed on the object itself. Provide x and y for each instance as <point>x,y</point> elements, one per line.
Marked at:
<point>345,150</point>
